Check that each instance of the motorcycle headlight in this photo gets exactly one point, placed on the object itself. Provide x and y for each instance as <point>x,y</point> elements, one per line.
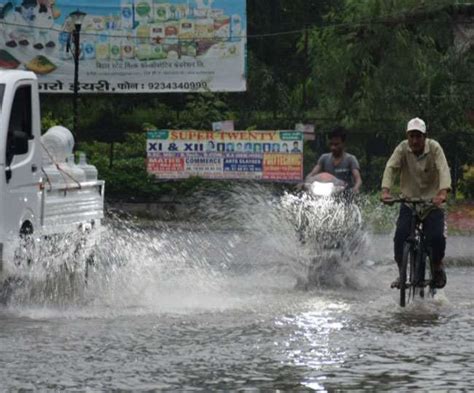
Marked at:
<point>322,189</point>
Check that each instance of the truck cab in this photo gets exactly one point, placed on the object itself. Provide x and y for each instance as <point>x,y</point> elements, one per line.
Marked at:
<point>31,201</point>
<point>20,155</point>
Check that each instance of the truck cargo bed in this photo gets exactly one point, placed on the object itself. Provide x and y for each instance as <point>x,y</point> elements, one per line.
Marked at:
<point>63,206</point>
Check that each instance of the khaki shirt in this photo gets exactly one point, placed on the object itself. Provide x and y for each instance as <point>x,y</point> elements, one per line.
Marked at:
<point>420,176</point>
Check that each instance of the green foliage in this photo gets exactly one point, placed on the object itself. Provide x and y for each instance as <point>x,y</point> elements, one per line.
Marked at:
<point>467,184</point>
<point>377,217</point>
<point>201,110</point>
<point>110,120</point>
<point>383,62</point>
<point>310,158</point>
<point>48,120</point>
<point>55,110</point>
<point>378,63</point>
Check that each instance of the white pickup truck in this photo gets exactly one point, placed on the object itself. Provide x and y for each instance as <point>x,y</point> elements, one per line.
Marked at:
<point>42,190</point>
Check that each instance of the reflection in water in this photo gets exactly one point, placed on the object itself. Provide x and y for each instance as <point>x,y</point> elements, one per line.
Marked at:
<point>309,345</point>
<point>211,304</point>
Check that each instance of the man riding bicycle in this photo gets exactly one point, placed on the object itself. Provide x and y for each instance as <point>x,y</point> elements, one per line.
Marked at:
<point>424,173</point>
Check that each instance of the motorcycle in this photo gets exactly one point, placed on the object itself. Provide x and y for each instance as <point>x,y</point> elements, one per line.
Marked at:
<point>328,224</point>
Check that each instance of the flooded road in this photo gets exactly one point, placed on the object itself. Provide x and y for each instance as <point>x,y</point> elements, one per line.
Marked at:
<point>205,307</point>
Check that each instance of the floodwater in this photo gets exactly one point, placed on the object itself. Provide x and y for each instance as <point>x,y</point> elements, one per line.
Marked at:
<point>212,305</point>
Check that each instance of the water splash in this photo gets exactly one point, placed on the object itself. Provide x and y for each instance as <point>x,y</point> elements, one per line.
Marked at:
<point>333,235</point>
<point>235,248</point>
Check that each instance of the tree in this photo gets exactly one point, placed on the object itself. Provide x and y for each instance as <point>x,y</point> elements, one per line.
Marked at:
<point>376,64</point>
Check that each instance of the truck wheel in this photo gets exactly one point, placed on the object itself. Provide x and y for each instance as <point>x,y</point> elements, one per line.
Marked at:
<point>22,257</point>
<point>8,288</point>
<point>24,252</point>
<point>90,261</point>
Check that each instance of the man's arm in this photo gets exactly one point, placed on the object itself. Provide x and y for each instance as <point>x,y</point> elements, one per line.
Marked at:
<point>318,168</point>
<point>440,197</point>
<point>391,169</point>
<point>314,171</point>
<point>444,177</point>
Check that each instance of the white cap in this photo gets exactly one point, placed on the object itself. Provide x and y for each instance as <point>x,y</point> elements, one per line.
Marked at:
<point>416,124</point>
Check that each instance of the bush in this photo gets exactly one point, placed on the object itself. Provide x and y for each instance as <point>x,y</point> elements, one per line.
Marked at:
<point>378,218</point>
<point>467,184</point>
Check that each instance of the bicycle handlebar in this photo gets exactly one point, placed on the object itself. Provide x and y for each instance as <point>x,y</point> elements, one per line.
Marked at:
<point>412,201</point>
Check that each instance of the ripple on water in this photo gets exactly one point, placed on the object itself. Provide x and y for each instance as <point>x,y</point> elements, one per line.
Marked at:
<point>214,308</point>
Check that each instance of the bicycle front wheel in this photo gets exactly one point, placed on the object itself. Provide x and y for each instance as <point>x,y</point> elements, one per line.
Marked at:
<point>406,270</point>
<point>429,262</point>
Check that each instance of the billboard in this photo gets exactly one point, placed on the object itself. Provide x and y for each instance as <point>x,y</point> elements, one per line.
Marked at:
<point>253,155</point>
<point>128,46</point>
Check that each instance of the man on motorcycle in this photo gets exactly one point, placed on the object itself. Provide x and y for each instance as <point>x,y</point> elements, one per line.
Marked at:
<point>424,173</point>
<point>339,163</point>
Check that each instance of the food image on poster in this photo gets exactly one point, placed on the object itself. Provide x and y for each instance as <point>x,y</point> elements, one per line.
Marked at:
<point>133,45</point>
<point>40,65</point>
<point>7,60</point>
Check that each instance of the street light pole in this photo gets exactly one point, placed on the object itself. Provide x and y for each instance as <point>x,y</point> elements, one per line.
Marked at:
<point>76,18</point>
<point>76,41</point>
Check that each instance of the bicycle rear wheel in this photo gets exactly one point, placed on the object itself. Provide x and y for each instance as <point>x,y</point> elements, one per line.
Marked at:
<point>406,270</point>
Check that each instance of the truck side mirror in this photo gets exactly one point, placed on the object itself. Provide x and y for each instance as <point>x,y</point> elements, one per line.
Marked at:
<point>8,174</point>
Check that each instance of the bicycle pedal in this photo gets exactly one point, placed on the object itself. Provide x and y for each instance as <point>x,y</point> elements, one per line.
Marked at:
<point>394,285</point>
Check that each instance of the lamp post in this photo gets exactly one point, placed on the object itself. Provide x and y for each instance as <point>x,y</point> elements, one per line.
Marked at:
<point>76,18</point>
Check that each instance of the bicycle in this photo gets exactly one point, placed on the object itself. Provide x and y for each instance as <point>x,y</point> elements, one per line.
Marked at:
<point>414,268</point>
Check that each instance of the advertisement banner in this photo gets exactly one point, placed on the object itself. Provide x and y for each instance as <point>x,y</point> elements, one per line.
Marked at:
<point>257,155</point>
<point>128,46</point>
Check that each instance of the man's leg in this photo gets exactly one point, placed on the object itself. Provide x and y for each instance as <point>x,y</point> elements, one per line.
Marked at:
<point>401,233</point>
<point>434,229</point>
